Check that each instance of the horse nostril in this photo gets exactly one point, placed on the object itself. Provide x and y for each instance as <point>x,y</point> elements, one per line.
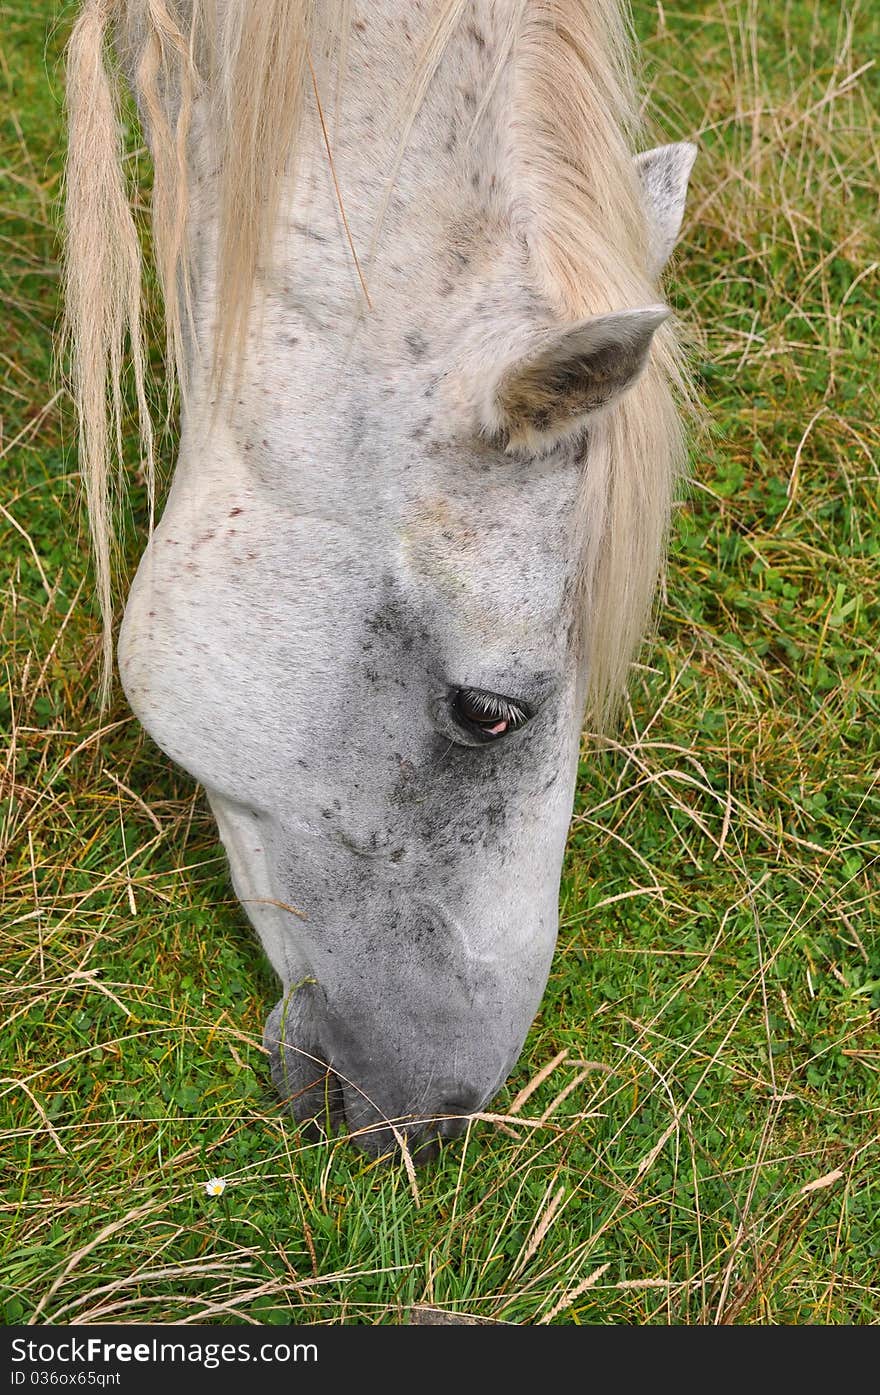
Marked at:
<point>454,1115</point>
<point>462,1104</point>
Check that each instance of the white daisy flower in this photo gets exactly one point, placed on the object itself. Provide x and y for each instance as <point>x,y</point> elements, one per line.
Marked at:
<point>216,1186</point>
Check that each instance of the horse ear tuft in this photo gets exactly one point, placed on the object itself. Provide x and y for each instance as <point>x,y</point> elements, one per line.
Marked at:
<point>575,372</point>
<point>664,174</point>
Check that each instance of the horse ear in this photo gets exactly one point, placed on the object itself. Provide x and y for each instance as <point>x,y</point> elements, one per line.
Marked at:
<point>549,394</point>
<point>664,175</point>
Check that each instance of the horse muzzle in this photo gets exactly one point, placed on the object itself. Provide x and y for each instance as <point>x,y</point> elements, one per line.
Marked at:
<point>334,1083</point>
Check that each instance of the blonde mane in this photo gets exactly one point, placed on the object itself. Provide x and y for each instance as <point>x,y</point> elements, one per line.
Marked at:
<point>575,126</point>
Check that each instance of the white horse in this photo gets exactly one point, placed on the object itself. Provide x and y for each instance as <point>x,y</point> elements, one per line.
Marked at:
<point>429,438</point>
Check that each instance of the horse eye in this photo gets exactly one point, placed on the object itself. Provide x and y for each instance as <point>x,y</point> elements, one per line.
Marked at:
<point>488,714</point>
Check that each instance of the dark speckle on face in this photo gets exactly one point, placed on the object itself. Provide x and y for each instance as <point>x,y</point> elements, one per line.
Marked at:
<point>310,233</point>
<point>419,432</point>
<point>416,342</point>
<point>382,622</point>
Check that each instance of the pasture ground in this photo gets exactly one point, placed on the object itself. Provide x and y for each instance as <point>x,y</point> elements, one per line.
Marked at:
<point>691,1134</point>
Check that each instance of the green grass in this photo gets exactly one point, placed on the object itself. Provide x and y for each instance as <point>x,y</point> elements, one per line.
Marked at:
<point>712,1014</point>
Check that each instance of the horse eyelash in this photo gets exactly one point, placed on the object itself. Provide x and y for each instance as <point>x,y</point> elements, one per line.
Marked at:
<point>498,708</point>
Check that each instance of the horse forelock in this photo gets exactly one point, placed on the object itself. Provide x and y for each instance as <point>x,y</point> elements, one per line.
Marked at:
<point>574,122</point>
